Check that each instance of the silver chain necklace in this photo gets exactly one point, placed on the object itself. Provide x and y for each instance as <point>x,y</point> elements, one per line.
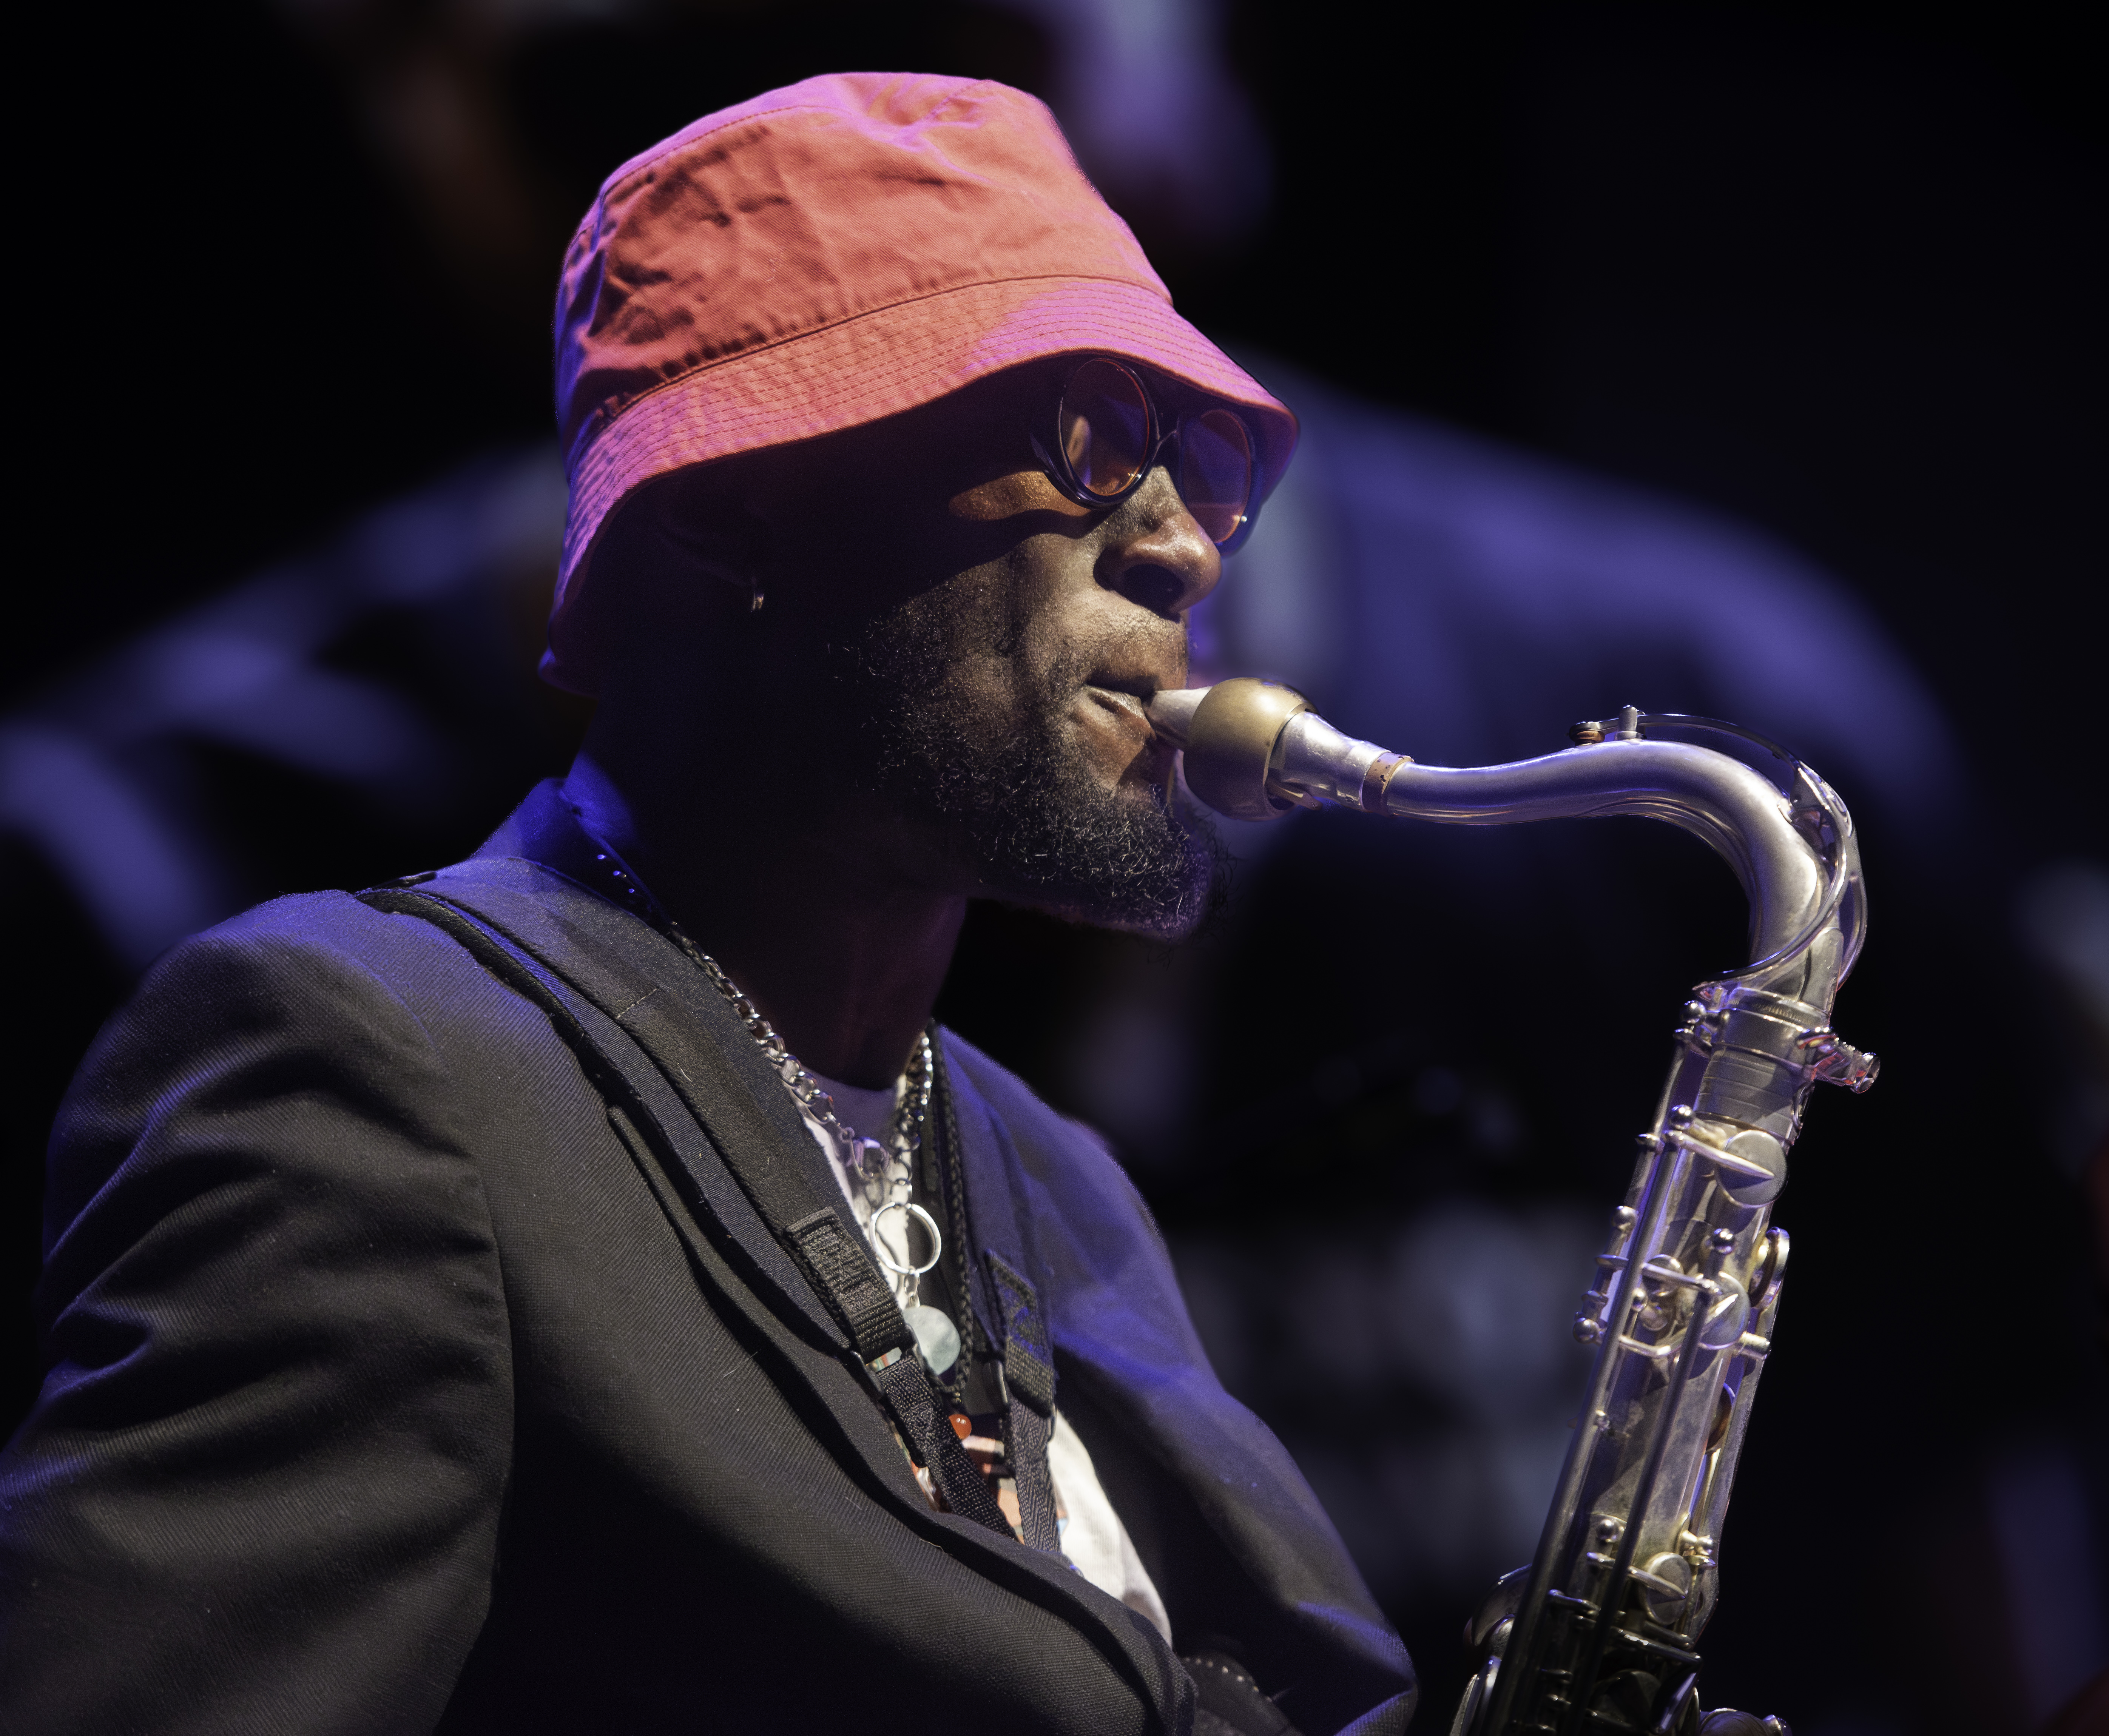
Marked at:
<point>886,1166</point>
<point>886,1169</point>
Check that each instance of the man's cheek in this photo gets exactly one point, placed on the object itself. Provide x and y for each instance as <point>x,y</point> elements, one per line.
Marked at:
<point>987,689</point>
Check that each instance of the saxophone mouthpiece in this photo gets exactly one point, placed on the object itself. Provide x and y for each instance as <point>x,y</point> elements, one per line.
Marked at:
<point>1229,732</point>
<point>1171,712</point>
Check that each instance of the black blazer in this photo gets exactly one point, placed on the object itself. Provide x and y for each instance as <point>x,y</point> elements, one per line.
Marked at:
<point>394,1385</point>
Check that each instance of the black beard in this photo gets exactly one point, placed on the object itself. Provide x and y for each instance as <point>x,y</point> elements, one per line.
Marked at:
<point>1043,830</point>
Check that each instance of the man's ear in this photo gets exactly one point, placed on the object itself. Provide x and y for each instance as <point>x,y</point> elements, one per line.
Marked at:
<point>698,525</point>
<point>679,563</point>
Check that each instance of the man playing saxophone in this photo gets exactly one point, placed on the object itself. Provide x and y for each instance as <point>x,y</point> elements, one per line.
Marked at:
<point>581,1288</point>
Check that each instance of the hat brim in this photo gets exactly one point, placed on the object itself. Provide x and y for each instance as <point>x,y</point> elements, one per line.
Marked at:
<point>881,364</point>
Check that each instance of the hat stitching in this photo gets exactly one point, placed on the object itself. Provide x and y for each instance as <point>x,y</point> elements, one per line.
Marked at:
<point>1110,323</point>
<point>604,418</point>
<point>599,489</point>
<point>824,398</point>
<point>670,438</point>
<point>952,97</point>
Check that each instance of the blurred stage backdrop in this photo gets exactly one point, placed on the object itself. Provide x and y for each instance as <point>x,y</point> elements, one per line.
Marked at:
<point>1736,361</point>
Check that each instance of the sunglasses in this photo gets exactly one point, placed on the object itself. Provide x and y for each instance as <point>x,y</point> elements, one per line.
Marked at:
<point>1108,434</point>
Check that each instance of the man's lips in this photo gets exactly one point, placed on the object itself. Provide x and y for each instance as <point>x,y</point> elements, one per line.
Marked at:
<point>1124,711</point>
<point>1128,707</point>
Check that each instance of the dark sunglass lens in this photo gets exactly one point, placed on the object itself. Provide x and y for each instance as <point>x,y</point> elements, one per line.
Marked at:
<point>1216,472</point>
<point>1105,424</point>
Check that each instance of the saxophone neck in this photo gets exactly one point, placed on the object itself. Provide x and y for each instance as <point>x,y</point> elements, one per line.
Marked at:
<point>1255,750</point>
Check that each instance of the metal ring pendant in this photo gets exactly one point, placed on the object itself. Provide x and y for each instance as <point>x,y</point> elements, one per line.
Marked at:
<point>929,1223</point>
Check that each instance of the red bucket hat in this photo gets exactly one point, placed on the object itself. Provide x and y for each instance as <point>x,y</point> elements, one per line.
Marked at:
<point>834,252</point>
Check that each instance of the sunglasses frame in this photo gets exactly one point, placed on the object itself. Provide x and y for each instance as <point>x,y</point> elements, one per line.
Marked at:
<point>1156,436</point>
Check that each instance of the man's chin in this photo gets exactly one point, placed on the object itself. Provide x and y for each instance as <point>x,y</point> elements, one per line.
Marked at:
<point>1171,927</point>
<point>1137,871</point>
<point>1046,822</point>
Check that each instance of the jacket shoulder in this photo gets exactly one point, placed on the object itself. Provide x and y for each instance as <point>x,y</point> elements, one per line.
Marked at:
<point>313,999</point>
<point>277,1346</point>
<point>326,952</point>
<point>1048,1141</point>
<point>1087,1211</point>
<point>1027,1115</point>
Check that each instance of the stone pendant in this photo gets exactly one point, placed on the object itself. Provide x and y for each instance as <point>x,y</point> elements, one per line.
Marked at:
<point>935,1338</point>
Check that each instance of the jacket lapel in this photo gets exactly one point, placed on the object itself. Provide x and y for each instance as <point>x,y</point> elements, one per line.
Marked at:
<point>627,970</point>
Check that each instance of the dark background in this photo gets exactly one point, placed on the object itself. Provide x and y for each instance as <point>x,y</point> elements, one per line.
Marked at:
<point>1828,271</point>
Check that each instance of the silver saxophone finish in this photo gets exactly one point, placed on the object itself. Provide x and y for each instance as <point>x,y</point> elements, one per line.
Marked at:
<point>1599,1633</point>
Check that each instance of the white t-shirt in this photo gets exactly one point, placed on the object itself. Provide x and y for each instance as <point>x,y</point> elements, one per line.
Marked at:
<point>1093,1537</point>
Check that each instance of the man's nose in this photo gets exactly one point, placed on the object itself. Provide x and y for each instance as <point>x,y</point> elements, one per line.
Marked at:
<point>1156,554</point>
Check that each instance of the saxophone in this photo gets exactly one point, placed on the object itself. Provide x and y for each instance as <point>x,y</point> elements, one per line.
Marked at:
<point>1598,1633</point>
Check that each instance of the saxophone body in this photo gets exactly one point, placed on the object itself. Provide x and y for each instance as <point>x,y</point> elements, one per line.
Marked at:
<point>1599,1632</point>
